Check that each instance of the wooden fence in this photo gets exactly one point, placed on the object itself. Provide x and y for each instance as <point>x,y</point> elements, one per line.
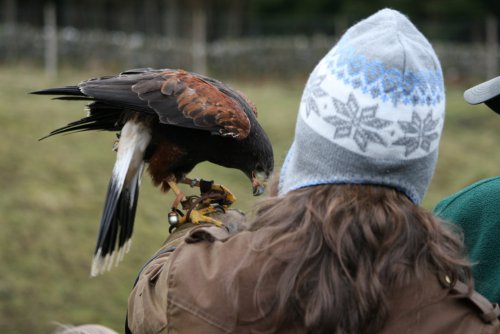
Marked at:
<point>283,56</point>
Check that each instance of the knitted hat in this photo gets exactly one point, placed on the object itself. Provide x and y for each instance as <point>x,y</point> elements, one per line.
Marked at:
<point>372,111</point>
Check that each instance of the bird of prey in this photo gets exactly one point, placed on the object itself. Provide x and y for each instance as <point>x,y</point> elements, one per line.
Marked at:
<point>170,120</point>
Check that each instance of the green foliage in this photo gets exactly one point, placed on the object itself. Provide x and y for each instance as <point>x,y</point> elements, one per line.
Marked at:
<point>457,20</point>
<point>357,9</point>
<point>293,7</point>
<point>53,191</point>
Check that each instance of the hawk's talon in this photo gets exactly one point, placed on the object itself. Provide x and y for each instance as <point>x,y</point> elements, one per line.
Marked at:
<point>213,198</point>
<point>189,202</point>
<point>200,217</point>
<point>219,208</point>
<point>229,197</point>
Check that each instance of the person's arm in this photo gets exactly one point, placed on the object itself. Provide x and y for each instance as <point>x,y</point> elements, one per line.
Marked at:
<point>147,305</point>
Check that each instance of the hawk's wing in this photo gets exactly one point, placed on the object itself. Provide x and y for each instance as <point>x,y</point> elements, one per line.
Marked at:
<point>178,98</point>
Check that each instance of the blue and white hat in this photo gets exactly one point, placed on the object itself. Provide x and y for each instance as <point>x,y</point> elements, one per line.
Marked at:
<point>372,111</point>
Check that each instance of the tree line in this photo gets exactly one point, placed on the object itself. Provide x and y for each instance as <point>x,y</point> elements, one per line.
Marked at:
<point>458,20</point>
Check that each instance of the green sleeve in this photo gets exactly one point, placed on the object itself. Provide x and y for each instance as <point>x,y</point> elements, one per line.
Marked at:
<point>476,210</point>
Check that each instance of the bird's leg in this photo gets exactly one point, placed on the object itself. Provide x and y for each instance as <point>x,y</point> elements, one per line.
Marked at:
<point>213,198</point>
<point>175,217</point>
<point>178,193</point>
<point>224,196</point>
<point>197,208</point>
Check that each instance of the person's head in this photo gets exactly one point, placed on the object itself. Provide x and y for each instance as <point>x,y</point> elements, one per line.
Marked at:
<point>346,217</point>
<point>343,249</point>
<point>372,111</point>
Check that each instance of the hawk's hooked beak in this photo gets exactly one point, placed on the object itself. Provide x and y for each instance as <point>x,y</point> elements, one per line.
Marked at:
<point>258,183</point>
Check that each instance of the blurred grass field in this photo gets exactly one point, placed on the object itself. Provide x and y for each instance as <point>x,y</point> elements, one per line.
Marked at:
<point>52,194</point>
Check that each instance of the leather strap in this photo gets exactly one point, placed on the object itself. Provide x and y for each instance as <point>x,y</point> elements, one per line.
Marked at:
<point>489,312</point>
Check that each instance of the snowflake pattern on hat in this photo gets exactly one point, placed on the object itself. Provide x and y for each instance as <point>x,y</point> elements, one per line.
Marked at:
<point>313,90</point>
<point>350,120</point>
<point>418,133</point>
<point>419,90</point>
<point>371,76</point>
<point>360,123</point>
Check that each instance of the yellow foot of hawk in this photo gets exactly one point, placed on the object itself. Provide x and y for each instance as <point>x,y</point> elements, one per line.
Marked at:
<point>213,198</point>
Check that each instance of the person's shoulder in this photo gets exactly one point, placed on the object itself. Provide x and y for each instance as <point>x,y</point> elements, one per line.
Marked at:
<point>433,307</point>
<point>206,280</point>
<point>477,194</point>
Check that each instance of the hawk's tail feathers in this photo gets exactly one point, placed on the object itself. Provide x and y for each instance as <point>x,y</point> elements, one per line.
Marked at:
<point>62,91</point>
<point>118,215</point>
<point>116,242</point>
<point>101,117</point>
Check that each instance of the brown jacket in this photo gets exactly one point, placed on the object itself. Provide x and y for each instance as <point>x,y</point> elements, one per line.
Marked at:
<point>185,291</point>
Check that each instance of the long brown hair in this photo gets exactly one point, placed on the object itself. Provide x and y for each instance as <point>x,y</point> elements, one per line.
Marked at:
<point>345,247</point>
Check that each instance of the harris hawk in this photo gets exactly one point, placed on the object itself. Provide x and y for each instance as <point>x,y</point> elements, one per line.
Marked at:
<point>170,120</point>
